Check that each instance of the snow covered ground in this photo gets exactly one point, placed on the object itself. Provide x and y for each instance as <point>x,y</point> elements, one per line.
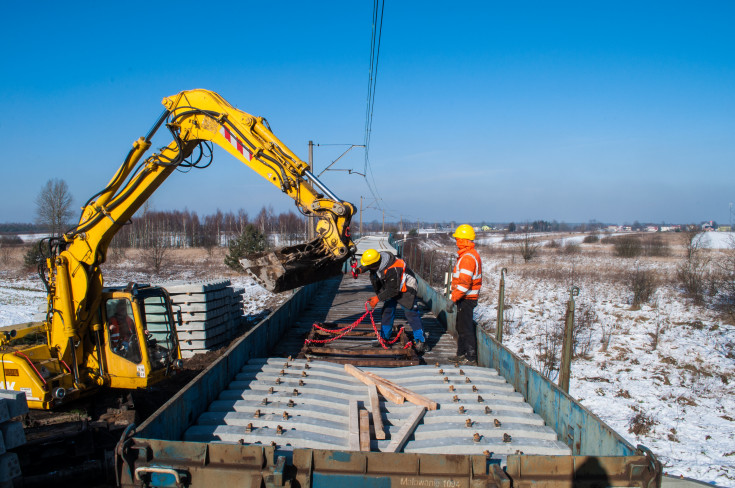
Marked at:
<point>23,299</point>
<point>20,299</point>
<point>717,240</point>
<point>666,378</point>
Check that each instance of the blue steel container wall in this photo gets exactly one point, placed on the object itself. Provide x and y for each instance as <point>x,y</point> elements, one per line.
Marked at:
<point>584,432</point>
<point>579,428</point>
<point>437,302</point>
<point>182,411</point>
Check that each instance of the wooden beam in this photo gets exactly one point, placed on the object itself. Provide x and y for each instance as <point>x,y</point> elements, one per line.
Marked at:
<point>397,442</point>
<point>364,430</point>
<point>390,395</point>
<point>379,381</point>
<point>354,433</point>
<point>375,407</point>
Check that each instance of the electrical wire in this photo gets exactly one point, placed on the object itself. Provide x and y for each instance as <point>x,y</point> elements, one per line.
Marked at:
<point>377,31</point>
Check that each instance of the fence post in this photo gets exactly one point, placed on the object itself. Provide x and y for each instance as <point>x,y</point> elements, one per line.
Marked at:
<point>448,281</point>
<point>431,270</point>
<point>501,303</point>
<point>567,345</point>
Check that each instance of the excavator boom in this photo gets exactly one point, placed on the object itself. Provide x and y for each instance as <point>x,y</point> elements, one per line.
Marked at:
<point>82,327</point>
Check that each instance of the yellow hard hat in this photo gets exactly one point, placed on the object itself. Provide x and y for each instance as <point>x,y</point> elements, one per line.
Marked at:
<point>464,231</point>
<point>371,256</point>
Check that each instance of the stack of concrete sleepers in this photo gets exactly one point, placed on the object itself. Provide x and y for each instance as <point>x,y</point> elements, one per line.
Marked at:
<point>211,312</point>
<point>12,404</point>
<point>298,404</point>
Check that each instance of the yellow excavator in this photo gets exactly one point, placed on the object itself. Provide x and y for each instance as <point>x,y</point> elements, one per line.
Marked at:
<point>125,337</point>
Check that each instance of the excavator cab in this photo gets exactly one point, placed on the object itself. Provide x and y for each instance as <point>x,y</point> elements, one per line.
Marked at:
<point>140,335</point>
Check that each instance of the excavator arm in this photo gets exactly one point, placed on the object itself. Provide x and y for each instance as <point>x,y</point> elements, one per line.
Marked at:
<point>194,118</point>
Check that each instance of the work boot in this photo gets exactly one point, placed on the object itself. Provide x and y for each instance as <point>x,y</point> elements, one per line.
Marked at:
<point>458,358</point>
<point>469,362</point>
<point>420,347</point>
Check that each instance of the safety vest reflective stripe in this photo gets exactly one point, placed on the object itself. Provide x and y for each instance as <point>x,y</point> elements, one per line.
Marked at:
<point>467,280</point>
<point>477,274</point>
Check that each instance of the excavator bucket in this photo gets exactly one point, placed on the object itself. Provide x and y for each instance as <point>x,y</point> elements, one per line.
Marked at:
<point>291,267</point>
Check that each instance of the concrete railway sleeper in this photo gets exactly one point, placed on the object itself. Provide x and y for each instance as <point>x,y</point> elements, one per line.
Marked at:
<point>271,412</point>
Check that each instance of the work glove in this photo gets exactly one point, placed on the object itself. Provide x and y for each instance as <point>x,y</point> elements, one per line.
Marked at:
<point>355,269</point>
<point>373,302</point>
<point>450,307</point>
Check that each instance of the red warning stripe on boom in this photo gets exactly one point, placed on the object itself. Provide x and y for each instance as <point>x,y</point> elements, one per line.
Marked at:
<point>236,143</point>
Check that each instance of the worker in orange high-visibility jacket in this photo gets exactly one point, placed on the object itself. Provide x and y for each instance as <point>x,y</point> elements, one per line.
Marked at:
<point>394,284</point>
<point>466,284</point>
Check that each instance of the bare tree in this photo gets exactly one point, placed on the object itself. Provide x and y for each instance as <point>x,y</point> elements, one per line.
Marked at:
<point>727,277</point>
<point>53,206</point>
<point>693,271</point>
<point>154,256</point>
<point>527,247</point>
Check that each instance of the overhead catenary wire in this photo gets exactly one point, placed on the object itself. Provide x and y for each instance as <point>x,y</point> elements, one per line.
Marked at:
<point>377,30</point>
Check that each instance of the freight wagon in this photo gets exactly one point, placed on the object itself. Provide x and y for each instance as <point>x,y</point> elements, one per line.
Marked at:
<point>262,416</point>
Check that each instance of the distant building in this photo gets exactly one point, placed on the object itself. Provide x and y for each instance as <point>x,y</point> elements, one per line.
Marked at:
<point>651,228</point>
<point>724,228</point>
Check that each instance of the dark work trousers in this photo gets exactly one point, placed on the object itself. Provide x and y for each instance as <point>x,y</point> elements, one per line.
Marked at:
<point>466,333</point>
<point>412,317</point>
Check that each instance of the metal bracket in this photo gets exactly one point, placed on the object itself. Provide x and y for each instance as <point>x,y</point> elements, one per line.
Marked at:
<point>181,478</point>
<point>276,480</point>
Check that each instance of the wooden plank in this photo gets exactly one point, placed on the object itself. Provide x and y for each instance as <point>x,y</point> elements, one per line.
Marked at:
<point>388,393</point>
<point>379,381</point>
<point>375,408</point>
<point>364,430</point>
<point>397,442</point>
<point>354,434</point>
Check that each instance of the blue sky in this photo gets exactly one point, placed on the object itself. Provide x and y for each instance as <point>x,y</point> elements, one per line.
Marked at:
<point>484,111</point>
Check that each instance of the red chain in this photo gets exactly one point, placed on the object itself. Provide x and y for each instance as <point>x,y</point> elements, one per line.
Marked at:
<point>345,330</point>
<point>342,332</point>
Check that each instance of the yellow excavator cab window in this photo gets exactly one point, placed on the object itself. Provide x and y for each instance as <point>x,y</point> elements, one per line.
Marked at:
<point>121,328</point>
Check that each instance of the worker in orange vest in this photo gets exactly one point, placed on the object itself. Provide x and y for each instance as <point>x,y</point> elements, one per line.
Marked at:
<point>394,284</point>
<point>122,327</point>
<point>466,284</point>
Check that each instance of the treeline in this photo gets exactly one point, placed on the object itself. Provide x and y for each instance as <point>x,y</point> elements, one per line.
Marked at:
<point>22,228</point>
<point>182,228</point>
<point>554,226</point>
